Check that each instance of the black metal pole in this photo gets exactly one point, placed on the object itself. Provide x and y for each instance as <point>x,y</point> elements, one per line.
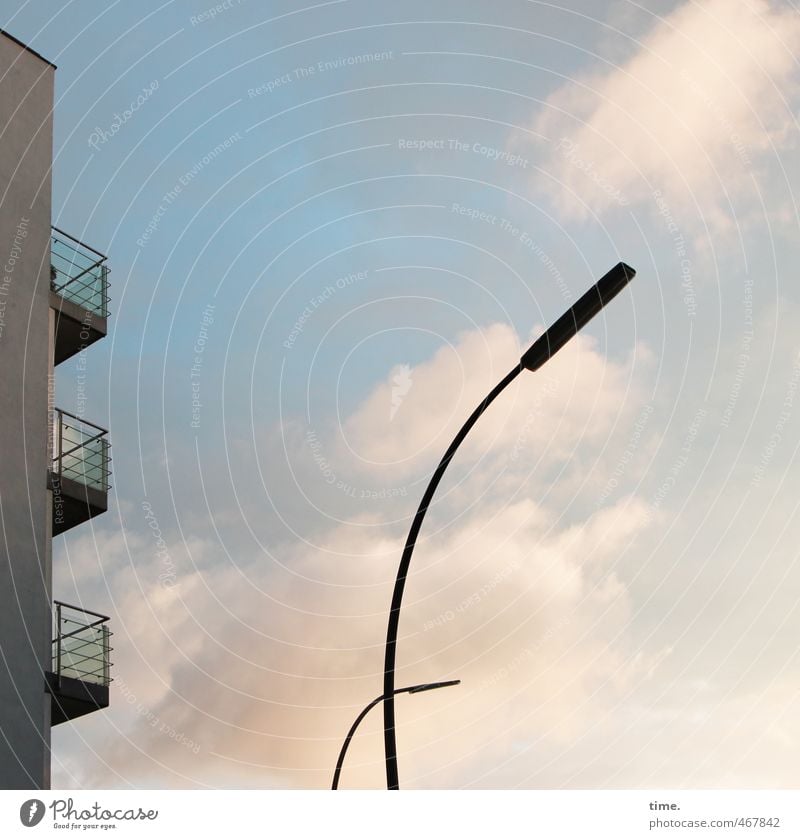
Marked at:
<point>577,316</point>
<point>390,743</point>
<point>354,726</point>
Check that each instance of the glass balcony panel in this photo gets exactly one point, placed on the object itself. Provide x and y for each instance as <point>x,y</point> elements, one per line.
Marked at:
<point>81,451</point>
<point>81,648</point>
<point>78,273</point>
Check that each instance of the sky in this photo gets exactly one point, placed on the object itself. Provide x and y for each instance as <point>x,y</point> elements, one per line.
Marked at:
<point>332,228</point>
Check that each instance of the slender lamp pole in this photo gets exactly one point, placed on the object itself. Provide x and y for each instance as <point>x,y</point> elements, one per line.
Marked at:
<point>354,726</point>
<point>541,351</point>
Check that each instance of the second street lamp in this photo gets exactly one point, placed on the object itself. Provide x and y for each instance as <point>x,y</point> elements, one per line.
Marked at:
<point>540,352</point>
<point>413,689</point>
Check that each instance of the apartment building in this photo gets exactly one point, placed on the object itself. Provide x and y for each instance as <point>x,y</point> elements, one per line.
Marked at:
<point>54,465</point>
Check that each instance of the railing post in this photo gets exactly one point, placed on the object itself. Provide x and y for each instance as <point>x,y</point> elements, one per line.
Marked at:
<point>60,444</point>
<point>106,656</point>
<point>58,643</point>
<point>104,292</point>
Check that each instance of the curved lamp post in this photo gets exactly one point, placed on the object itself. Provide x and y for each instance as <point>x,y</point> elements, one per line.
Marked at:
<point>354,726</point>
<point>541,351</point>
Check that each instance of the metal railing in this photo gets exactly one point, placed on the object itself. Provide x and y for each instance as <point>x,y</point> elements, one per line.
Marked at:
<point>81,648</point>
<point>81,451</point>
<point>78,273</point>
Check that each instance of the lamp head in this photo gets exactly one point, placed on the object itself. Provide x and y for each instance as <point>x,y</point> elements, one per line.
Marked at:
<point>434,686</point>
<point>575,318</point>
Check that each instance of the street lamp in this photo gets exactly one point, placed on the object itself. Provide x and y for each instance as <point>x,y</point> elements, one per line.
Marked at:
<point>354,726</point>
<point>541,351</point>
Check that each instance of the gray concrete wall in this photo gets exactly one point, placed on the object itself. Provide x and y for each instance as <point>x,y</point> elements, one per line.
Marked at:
<point>26,100</point>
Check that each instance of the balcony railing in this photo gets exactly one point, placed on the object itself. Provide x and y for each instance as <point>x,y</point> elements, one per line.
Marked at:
<point>81,648</point>
<point>78,273</point>
<point>81,451</point>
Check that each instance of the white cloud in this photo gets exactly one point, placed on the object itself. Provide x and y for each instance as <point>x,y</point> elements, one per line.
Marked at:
<point>689,114</point>
<point>573,401</point>
<point>504,602</point>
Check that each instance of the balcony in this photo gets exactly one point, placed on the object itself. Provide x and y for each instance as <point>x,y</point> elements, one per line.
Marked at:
<point>79,478</point>
<point>78,294</point>
<point>78,683</point>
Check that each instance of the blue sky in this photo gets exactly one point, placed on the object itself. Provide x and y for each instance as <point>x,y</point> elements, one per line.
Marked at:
<point>610,565</point>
